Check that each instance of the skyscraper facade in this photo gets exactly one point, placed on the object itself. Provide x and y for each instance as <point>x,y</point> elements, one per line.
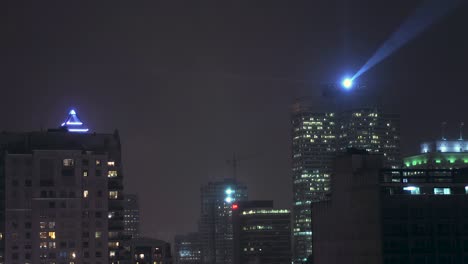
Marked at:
<point>62,196</point>
<point>372,130</point>
<point>131,216</point>
<point>317,137</point>
<point>313,149</point>
<point>215,226</point>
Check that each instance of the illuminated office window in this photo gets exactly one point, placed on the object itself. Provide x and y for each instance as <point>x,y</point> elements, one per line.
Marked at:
<point>112,174</point>
<point>113,194</point>
<point>68,162</point>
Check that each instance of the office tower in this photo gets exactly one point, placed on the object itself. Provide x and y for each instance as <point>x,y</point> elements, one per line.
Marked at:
<point>261,234</point>
<point>313,149</point>
<point>131,216</point>
<point>372,130</point>
<point>317,137</point>
<point>149,251</point>
<point>215,226</point>
<point>62,196</point>
<point>377,215</point>
<point>188,249</point>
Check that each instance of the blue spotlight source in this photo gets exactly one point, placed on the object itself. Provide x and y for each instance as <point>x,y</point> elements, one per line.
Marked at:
<point>347,83</point>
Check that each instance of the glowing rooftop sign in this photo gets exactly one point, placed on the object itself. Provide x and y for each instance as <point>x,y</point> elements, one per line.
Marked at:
<point>74,124</point>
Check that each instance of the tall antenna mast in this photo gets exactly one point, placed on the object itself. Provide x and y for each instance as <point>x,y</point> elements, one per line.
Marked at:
<point>461,130</point>
<point>234,163</point>
<point>443,130</point>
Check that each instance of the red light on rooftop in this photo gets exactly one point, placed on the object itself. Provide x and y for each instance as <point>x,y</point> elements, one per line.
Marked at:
<point>235,206</point>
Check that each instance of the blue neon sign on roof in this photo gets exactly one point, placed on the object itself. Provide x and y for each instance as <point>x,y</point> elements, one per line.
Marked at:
<point>74,124</point>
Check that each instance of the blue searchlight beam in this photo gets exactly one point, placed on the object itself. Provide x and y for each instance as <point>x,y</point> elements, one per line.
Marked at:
<point>427,14</point>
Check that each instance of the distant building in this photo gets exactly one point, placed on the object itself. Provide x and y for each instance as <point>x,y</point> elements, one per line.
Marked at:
<point>317,137</point>
<point>215,226</point>
<point>377,215</point>
<point>261,234</point>
<point>61,196</point>
<point>149,251</point>
<point>131,216</point>
<point>440,154</point>
<point>188,249</point>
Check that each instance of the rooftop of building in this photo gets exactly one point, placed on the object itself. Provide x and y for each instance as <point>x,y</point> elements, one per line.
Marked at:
<point>70,135</point>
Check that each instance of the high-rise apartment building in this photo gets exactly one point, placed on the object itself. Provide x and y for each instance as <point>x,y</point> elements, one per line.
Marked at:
<point>62,196</point>
<point>386,216</point>
<point>131,216</point>
<point>317,137</point>
<point>262,234</point>
<point>188,249</point>
<point>215,226</point>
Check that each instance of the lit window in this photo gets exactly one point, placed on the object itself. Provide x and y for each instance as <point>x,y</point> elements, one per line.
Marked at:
<point>442,191</point>
<point>112,253</point>
<point>51,225</point>
<point>42,225</point>
<point>142,256</point>
<point>43,235</point>
<point>85,173</point>
<point>111,163</point>
<point>412,190</point>
<point>52,235</point>
<point>98,234</point>
<point>68,162</point>
<point>85,193</point>
<point>112,173</point>
<point>113,194</point>
<point>73,255</point>
<point>43,245</point>
<point>114,244</point>
<point>98,162</point>
<point>51,244</point>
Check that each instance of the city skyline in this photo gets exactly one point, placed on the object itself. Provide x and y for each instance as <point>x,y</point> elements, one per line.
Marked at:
<point>193,95</point>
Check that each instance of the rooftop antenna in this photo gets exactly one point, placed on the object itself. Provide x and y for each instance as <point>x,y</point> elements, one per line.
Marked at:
<point>443,130</point>
<point>461,130</point>
<point>234,162</point>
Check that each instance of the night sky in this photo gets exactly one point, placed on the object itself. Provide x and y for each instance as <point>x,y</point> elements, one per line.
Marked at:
<point>189,83</point>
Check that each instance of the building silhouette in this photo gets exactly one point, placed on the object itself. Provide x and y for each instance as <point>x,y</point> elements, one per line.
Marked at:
<point>145,250</point>
<point>215,226</point>
<point>378,215</point>
<point>188,249</point>
<point>262,234</point>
